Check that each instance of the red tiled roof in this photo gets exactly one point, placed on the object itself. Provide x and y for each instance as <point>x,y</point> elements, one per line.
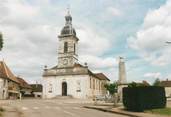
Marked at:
<point>23,83</point>
<point>5,72</point>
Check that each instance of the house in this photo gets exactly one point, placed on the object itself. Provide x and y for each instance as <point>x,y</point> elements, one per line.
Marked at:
<point>69,77</point>
<point>9,84</point>
<point>25,88</point>
<point>167,85</point>
<point>37,90</point>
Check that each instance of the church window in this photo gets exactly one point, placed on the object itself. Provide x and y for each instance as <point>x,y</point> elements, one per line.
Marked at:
<point>65,47</point>
<point>99,85</point>
<point>74,48</point>
<point>90,83</point>
<point>78,86</point>
<point>93,83</point>
<point>50,88</point>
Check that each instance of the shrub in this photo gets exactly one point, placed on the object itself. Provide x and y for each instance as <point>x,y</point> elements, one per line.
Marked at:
<point>142,98</point>
<point>1,109</point>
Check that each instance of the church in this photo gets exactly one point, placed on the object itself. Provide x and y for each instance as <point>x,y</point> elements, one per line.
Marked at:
<point>69,77</point>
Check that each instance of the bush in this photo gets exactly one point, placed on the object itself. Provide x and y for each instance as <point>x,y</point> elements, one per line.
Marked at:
<point>1,109</point>
<point>142,98</point>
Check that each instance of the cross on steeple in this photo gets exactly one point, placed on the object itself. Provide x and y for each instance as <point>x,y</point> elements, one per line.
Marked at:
<point>68,9</point>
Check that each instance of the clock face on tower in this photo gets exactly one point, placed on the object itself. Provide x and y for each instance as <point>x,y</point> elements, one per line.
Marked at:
<point>65,62</point>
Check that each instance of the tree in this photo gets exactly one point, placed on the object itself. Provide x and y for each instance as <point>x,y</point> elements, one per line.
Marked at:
<point>133,84</point>
<point>1,41</point>
<point>156,82</point>
<point>112,88</point>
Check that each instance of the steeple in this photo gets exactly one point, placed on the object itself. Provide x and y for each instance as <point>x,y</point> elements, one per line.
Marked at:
<point>68,29</point>
<point>67,51</point>
<point>68,18</point>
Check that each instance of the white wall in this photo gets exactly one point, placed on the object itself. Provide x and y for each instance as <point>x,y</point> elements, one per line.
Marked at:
<point>168,91</point>
<point>72,86</point>
<point>3,87</point>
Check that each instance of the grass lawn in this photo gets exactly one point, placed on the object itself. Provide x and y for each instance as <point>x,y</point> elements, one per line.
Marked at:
<point>163,111</point>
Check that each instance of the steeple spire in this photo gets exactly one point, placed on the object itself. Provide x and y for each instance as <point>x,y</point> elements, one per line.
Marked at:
<point>68,17</point>
<point>68,28</point>
<point>68,10</point>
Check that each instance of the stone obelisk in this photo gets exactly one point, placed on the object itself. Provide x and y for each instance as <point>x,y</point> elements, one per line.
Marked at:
<point>122,72</point>
<point>122,82</point>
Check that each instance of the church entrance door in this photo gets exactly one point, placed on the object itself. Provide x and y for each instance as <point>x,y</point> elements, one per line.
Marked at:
<point>64,89</point>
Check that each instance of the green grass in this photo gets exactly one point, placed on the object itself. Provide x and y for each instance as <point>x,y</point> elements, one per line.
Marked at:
<point>163,111</point>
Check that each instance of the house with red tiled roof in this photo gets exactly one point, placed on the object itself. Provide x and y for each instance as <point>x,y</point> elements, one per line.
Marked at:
<point>9,84</point>
<point>25,88</point>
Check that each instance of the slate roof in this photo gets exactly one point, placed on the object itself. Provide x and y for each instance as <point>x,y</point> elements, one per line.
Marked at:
<point>6,73</point>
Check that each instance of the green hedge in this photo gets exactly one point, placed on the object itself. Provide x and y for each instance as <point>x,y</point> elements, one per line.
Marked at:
<point>142,98</point>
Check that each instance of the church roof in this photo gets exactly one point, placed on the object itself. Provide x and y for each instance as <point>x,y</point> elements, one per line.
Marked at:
<point>6,73</point>
<point>84,70</point>
<point>101,76</point>
<point>68,28</point>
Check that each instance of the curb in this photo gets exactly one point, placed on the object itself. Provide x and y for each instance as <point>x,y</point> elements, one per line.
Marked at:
<point>111,111</point>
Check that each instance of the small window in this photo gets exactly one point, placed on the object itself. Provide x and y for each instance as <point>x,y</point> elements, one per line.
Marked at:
<point>74,48</point>
<point>50,88</point>
<point>65,47</point>
<point>78,86</point>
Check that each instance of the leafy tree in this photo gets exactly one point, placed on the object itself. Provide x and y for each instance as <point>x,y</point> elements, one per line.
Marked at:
<point>133,84</point>
<point>112,88</point>
<point>1,41</point>
<point>156,82</point>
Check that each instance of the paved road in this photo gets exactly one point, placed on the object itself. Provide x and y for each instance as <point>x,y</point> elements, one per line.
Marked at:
<point>56,108</point>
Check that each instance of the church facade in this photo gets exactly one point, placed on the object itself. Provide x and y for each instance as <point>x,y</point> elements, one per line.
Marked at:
<point>69,77</point>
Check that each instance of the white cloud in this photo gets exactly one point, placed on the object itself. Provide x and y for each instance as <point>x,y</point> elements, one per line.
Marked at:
<point>152,75</point>
<point>150,40</point>
<point>99,62</point>
<point>114,11</point>
<point>30,41</point>
<point>91,42</point>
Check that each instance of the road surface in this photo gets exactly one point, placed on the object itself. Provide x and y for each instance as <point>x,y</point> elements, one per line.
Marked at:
<point>56,108</point>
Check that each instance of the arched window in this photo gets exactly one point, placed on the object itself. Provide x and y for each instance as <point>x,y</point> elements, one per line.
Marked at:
<point>65,47</point>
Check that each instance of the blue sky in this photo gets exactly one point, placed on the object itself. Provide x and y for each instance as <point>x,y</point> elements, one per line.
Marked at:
<point>107,29</point>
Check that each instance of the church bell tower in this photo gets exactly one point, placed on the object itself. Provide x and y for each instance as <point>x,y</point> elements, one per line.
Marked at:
<point>68,41</point>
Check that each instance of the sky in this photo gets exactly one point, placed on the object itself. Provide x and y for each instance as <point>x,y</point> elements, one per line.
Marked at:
<point>134,29</point>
